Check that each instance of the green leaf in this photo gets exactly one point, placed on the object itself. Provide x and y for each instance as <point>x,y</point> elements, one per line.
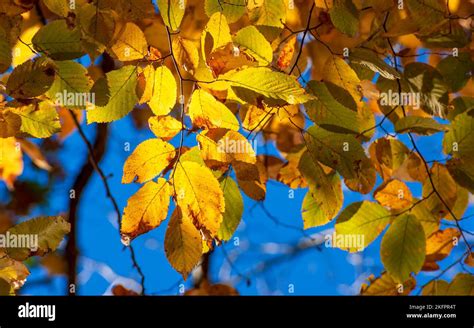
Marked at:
<point>454,197</point>
<point>456,71</point>
<point>252,82</point>
<point>49,232</point>
<point>459,140</point>
<point>451,35</point>
<point>231,9</point>
<point>234,207</point>
<point>461,105</point>
<point>345,17</point>
<point>324,198</point>
<point>339,73</point>
<point>344,154</point>
<point>459,143</point>
<point>31,79</point>
<point>172,12</point>
<point>429,221</point>
<point>71,86</point>
<point>371,60</point>
<point>331,115</point>
<point>426,14</point>
<point>59,42</point>
<point>121,86</point>
<point>38,120</point>
<point>403,247</point>
<point>429,84</point>
<point>361,220</point>
<point>254,43</point>
<point>419,125</point>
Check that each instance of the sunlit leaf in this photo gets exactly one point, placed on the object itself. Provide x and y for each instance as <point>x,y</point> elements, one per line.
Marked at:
<point>146,209</point>
<point>49,232</point>
<point>361,220</point>
<point>147,161</point>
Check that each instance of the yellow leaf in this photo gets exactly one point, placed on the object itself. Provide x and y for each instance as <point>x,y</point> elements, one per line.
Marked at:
<point>255,44</point>
<point>440,244</point>
<point>186,53</point>
<point>221,147</point>
<point>199,195</point>
<point>267,12</point>
<point>394,194</point>
<point>160,91</point>
<point>338,72</point>
<point>38,120</point>
<point>218,30</point>
<point>164,127</point>
<point>147,161</point>
<point>11,161</point>
<point>13,271</point>
<point>131,44</point>
<point>385,285</point>
<point>255,118</point>
<point>22,52</point>
<point>172,12</point>
<point>183,245</point>
<point>207,112</point>
<point>146,209</point>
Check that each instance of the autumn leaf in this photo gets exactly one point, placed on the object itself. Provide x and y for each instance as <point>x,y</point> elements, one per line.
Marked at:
<point>367,219</point>
<point>394,194</point>
<point>11,161</point>
<point>146,209</point>
<point>50,231</point>
<point>207,112</point>
<point>199,195</point>
<point>403,247</point>
<point>183,245</point>
<point>147,161</point>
